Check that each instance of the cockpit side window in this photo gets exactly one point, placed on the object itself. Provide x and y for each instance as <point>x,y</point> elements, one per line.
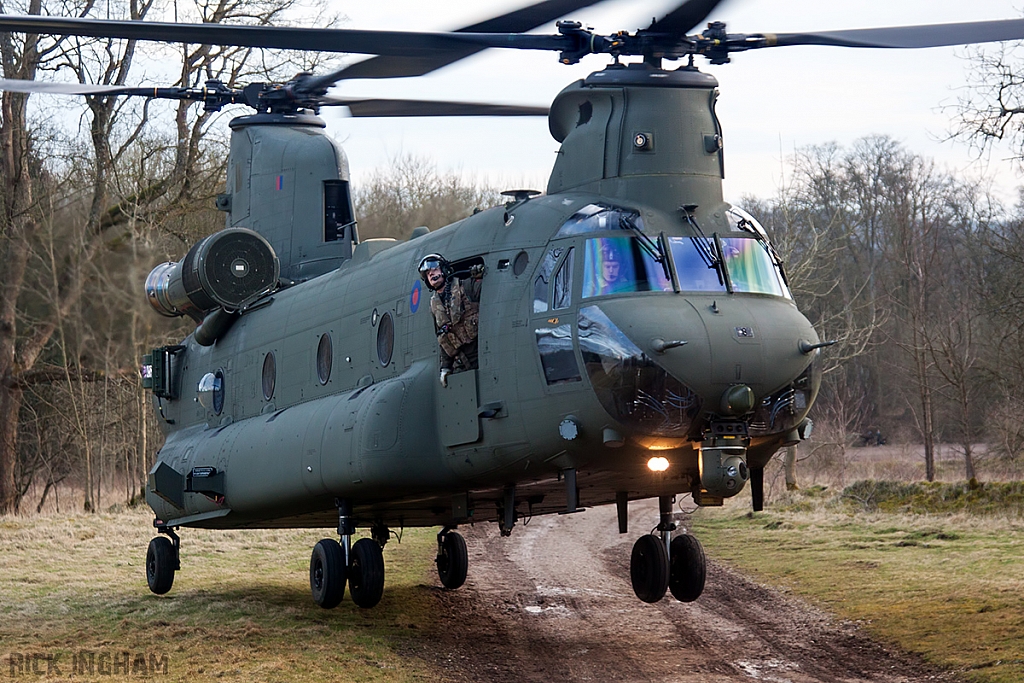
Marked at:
<point>563,282</point>
<point>542,281</point>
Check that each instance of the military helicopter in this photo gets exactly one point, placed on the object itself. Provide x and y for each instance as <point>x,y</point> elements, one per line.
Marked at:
<point>637,336</point>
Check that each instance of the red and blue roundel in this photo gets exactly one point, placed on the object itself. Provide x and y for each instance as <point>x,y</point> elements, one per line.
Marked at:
<point>414,297</point>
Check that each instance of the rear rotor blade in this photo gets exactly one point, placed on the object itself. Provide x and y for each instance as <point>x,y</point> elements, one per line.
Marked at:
<point>933,35</point>
<point>397,108</point>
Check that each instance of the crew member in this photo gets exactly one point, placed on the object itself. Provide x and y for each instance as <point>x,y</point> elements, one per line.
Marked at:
<point>455,304</point>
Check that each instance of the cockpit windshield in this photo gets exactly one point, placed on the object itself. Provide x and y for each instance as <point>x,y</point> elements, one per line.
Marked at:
<point>749,265</point>
<point>616,265</point>
<point>635,262</point>
<point>613,265</point>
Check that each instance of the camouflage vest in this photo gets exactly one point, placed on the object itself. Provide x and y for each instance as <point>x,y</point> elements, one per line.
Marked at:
<point>457,319</point>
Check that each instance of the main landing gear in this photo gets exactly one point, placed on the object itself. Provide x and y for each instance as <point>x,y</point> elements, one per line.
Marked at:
<point>660,562</point>
<point>452,558</point>
<point>162,560</point>
<point>361,565</point>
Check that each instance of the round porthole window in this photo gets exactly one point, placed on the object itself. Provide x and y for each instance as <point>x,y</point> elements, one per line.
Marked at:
<point>269,375</point>
<point>218,392</point>
<point>210,391</point>
<point>324,358</point>
<point>519,265</point>
<point>204,390</point>
<point>385,339</point>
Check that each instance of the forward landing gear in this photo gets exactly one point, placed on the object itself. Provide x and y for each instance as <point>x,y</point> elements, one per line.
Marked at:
<point>660,563</point>
<point>648,568</point>
<point>687,568</point>
<point>332,564</point>
<point>452,559</point>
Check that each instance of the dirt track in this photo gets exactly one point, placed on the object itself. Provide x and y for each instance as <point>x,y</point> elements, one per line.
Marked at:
<point>554,603</point>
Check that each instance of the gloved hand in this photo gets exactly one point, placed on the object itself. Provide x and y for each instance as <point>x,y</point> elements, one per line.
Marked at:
<point>444,376</point>
<point>477,271</point>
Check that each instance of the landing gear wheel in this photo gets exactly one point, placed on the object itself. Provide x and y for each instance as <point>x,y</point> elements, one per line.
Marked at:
<point>161,561</point>
<point>648,568</point>
<point>366,573</point>
<point>327,573</point>
<point>452,560</point>
<point>688,568</point>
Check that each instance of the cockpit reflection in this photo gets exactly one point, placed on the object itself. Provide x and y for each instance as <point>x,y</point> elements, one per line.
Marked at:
<point>631,387</point>
<point>634,262</point>
<point>613,265</point>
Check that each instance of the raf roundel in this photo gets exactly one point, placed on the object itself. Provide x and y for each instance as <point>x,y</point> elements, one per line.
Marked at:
<point>414,297</point>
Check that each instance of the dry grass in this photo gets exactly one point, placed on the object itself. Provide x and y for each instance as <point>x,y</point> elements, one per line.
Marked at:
<point>240,607</point>
<point>947,586</point>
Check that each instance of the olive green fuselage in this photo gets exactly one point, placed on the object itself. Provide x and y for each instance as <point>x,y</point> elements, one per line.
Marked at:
<point>570,377</point>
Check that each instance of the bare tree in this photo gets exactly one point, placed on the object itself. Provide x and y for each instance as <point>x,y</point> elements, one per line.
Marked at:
<point>130,183</point>
<point>411,192</point>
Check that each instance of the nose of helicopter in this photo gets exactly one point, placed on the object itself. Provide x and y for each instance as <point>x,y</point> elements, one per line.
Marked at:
<point>714,345</point>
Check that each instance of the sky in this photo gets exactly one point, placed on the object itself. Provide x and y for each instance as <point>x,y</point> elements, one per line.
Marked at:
<point>773,101</point>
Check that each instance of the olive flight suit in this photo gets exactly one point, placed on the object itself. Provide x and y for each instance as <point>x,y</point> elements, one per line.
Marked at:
<point>456,309</point>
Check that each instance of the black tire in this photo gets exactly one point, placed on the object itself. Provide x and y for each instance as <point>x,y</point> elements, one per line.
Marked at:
<point>366,573</point>
<point>453,561</point>
<point>648,568</point>
<point>688,568</point>
<point>327,573</point>
<point>160,565</point>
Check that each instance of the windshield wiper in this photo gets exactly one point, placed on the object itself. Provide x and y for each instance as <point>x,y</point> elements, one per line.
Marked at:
<point>702,244</point>
<point>652,248</point>
<point>746,225</point>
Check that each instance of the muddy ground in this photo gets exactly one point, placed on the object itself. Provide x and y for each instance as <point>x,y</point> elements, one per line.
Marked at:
<point>554,603</point>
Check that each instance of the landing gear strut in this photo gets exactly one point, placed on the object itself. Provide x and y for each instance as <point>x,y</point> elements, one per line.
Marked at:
<point>452,558</point>
<point>361,565</point>
<point>660,562</point>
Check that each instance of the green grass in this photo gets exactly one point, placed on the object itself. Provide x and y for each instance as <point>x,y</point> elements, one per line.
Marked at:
<point>240,608</point>
<point>1001,498</point>
<point>949,586</point>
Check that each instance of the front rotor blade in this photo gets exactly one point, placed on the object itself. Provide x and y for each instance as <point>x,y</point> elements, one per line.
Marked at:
<point>52,88</point>
<point>518,21</point>
<point>685,17</point>
<point>400,43</point>
<point>14,85</point>
<point>395,108</point>
<point>933,35</point>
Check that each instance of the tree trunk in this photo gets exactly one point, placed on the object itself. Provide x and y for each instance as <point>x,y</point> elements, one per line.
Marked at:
<point>927,431</point>
<point>10,407</point>
<point>790,467</point>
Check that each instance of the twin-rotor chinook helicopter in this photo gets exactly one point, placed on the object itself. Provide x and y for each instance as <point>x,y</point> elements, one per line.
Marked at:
<point>637,337</point>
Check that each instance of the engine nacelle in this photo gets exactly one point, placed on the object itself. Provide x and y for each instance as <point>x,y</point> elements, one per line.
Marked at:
<point>229,269</point>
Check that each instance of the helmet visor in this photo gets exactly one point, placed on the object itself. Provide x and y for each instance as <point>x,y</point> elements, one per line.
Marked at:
<point>428,264</point>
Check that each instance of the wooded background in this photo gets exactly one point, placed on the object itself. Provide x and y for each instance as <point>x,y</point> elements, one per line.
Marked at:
<point>917,273</point>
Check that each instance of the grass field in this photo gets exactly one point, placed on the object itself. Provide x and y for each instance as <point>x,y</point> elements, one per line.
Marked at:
<point>949,586</point>
<point>73,597</point>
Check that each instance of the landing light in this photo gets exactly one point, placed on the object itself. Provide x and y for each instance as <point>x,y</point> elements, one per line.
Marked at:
<point>657,464</point>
